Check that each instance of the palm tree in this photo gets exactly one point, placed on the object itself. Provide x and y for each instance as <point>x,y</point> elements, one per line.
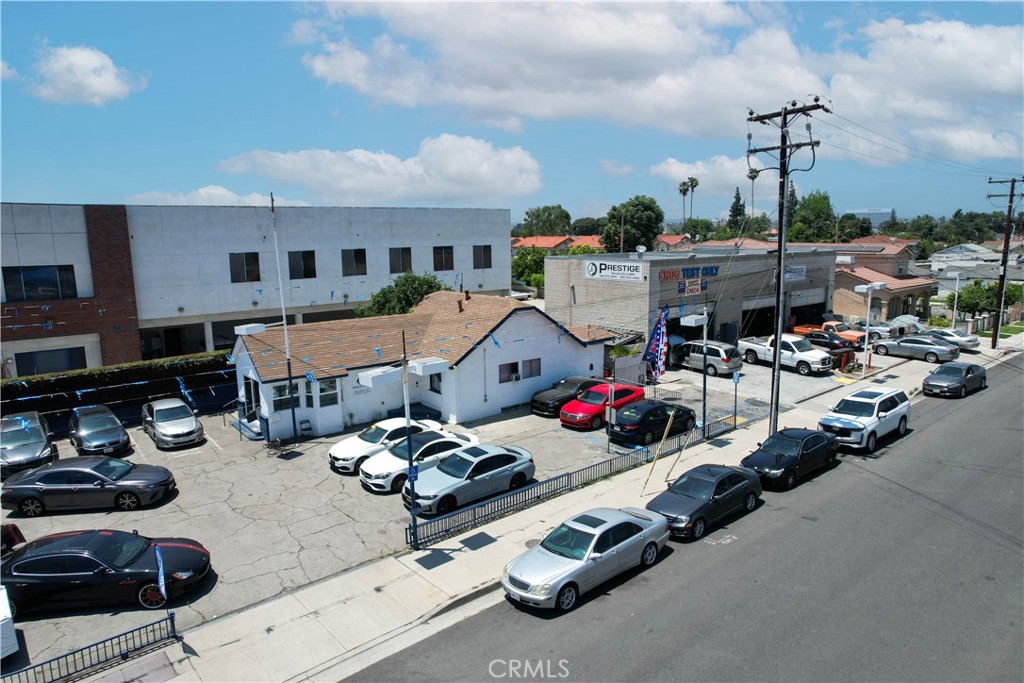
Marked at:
<point>752,175</point>
<point>684,189</point>
<point>692,183</point>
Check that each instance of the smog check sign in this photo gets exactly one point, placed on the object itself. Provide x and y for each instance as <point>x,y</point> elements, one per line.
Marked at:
<point>613,270</point>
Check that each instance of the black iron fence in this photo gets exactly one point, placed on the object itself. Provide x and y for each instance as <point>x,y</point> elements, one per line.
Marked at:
<point>76,664</point>
<point>431,531</point>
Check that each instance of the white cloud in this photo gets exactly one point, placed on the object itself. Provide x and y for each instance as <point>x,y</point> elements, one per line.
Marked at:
<point>614,167</point>
<point>718,175</point>
<point>82,75</point>
<point>446,169</point>
<point>211,195</point>
<point>6,72</point>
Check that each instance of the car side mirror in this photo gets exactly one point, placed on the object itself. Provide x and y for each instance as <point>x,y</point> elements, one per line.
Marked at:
<point>101,570</point>
<point>883,414</point>
<point>71,433</point>
<point>97,484</point>
<point>596,556</point>
<point>196,413</point>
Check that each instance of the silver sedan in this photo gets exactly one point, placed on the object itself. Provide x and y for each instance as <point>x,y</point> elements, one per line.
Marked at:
<point>961,339</point>
<point>921,346</point>
<point>954,379</point>
<point>583,552</point>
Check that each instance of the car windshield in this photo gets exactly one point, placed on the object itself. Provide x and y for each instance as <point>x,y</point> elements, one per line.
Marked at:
<point>119,549</point>
<point>98,423</point>
<point>692,487</point>
<point>781,445</point>
<point>12,438</point>
<point>594,398</point>
<point>373,434</point>
<point>630,413</point>
<point>947,371</point>
<point>802,344</point>
<point>568,542</point>
<point>113,469</point>
<point>455,466</point>
<point>173,413</point>
<point>567,384</point>
<point>855,408</point>
<point>841,327</point>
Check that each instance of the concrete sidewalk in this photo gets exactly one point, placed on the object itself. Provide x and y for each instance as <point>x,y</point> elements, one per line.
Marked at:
<point>334,628</point>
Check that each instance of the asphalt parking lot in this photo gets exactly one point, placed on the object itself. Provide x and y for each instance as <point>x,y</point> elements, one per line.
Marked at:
<point>274,521</point>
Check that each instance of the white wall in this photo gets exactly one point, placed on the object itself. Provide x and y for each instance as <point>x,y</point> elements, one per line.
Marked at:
<point>180,255</point>
<point>91,343</point>
<point>46,235</point>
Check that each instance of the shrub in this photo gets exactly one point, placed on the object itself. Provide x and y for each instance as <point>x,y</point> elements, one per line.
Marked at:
<point>938,321</point>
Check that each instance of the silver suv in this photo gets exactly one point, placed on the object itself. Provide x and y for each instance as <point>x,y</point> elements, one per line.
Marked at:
<point>865,416</point>
<point>723,359</point>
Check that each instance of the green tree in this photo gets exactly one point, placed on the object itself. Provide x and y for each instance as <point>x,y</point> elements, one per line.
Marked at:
<point>588,226</point>
<point>893,227</point>
<point>684,190</point>
<point>400,297</point>
<point>737,213</point>
<point>527,262</point>
<point>693,183</point>
<point>922,227</point>
<point>760,225</point>
<point>815,217</point>
<point>1013,294</point>
<point>972,298</point>
<point>547,220</point>
<point>851,227</point>
<point>701,229</point>
<point>578,249</point>
<point>969,227</point>
<point>637,221</point>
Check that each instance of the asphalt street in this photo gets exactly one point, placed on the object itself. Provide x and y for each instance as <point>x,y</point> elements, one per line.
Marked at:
<point>902,566</point>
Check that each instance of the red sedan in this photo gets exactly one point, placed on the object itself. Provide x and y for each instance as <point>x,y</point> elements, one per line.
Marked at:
<point>590,408</point>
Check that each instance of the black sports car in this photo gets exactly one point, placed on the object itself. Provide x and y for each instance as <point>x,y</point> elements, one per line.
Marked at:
<point>549,402</point>
<point>789,454</point>
<point>99,567</point>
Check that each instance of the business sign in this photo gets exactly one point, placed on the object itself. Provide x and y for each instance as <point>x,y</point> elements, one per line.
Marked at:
<point>613,270</point>
<point>796,273</point>
<point>694,286</point>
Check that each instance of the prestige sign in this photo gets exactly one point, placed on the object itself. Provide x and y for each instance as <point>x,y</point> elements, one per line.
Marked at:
<point>613,270</point>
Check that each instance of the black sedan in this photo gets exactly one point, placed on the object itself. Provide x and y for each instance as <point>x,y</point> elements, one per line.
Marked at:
<point>92,481</point>
<point>645,421</point>
<point>549,402</point>
<point>955,379</point>
<point>705,495</point>
<point>789,454</point>
<point>828,340</point>
<point>101,566</point>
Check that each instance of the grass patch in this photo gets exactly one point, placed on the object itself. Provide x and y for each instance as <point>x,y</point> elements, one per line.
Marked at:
<point>1005,331</point>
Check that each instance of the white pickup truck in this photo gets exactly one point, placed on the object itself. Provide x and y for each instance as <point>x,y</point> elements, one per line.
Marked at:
<point>795,352</point>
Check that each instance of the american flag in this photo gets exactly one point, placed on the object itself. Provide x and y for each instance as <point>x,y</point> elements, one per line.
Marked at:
<point>657,348</point>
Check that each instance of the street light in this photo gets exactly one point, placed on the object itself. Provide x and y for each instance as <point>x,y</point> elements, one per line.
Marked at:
<point>956,294</point>
<point>694,321</point>
<point>866,290</point>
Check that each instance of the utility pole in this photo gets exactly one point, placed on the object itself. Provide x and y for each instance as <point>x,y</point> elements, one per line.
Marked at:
<point>1007,238</point>
<point>785,149</point>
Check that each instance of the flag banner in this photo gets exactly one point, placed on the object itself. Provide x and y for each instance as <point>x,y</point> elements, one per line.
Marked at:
<point>657,348</point>
<point>160,572</point>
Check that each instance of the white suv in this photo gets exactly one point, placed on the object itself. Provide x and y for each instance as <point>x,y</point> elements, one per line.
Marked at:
<point>865,416</point>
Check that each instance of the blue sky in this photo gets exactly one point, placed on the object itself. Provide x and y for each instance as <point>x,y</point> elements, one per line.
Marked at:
<point>508,105</point>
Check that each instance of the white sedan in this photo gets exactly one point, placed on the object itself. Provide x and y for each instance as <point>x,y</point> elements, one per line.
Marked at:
<point>350,453</point>
<point>388,470</point>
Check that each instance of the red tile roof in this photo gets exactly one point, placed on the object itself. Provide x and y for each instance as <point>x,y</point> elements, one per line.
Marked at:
<point>893,283</point>
<point>592,241</point>
<point>544,242</point>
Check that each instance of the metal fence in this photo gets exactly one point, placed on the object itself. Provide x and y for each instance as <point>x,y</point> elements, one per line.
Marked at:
<point>433,530</point>
<point>76,664</point>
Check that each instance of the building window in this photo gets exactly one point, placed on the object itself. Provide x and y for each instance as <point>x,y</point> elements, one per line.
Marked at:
<point>245,267</point>
<point>281,399</point>
<point>508,372</point>
<point>481,256</point>
<point>301,265</point>
<point>328,391</point>
<point>56,360</point>
<point>444,258</point>
<point>435,382</point>
<point>353,262</point>
<point>33,283</point>
<point>401,260</point>
<point>531,368</point>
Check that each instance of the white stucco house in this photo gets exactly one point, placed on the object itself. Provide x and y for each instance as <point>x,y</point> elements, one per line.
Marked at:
<point>470,357</point>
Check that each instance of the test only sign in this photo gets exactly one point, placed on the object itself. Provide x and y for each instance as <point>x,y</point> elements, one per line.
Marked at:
<point>613,270</point>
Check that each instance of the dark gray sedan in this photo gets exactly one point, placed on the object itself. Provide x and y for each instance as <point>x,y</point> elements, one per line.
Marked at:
<point>705,495</point>
<point>955,379</point>
<point>931,349</point>
<point>90,481</point>
<point>95,430</point>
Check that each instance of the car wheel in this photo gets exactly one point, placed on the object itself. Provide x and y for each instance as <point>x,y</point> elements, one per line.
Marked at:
<point>596,422</point>
<point>963,391</point>
<point>150,596</point>
<point>984,383</point>
<point>789,480</point>
<point>901,429</point>
<point>647,438</point>
<point>881,350</point>
<point>830,460</point>
<point>751,502</point>
<point>711,370</point>
<point>649,555</point>
<point>803,368</point>
<point>698,529</point>
<point>359,464</point>
<point>31,507</point>
<point>874,336</point>
<point>127,501</point>
<point>518,480</point>
<point>397,483</point>
<point>446,505</point>
<point>567,597</point>
<point>931,358</point>
<point>690,422</point>
<point>750,357</point>
<point>872,442</point>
